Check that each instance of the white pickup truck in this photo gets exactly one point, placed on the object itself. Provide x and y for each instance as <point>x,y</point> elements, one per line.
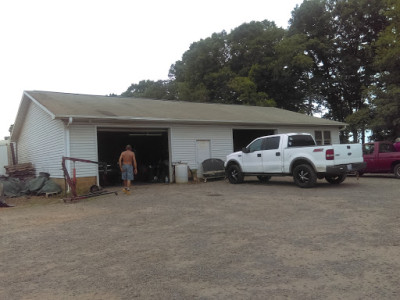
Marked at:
<point>297,155</point>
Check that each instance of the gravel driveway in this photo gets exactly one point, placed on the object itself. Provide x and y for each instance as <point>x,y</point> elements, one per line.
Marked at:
<point>208,240</point>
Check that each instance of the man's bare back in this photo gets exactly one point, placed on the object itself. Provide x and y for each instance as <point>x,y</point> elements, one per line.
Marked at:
<point>127,157</point>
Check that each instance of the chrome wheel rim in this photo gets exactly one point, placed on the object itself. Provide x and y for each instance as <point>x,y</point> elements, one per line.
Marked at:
<point>234,174</point>
<point>304,176</point>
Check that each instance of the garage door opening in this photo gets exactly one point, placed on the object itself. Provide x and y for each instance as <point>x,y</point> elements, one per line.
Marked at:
<point>150,147</point>
<point>243,137</point>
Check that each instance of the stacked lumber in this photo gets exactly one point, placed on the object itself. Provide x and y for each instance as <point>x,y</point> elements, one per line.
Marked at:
<point>20,171</point>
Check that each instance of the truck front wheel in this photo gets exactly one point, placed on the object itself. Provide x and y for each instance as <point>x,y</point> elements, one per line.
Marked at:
<point>397,171</point>
<point>234,174</point>
<point>336,179</point>
<point>304,176</point>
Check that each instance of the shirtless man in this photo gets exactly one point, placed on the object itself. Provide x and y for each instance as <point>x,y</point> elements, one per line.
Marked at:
<point>128,166</point>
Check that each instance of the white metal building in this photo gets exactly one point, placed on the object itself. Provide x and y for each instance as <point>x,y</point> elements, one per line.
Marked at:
<point>50,125</point>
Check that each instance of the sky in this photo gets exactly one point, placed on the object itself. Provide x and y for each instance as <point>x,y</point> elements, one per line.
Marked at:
<point>101,47</point>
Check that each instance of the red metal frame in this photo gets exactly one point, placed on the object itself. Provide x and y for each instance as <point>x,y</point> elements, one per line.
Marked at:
<point>72,181</point>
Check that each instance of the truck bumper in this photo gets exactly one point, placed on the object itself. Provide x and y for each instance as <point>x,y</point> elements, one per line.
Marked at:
<point>342,169</point>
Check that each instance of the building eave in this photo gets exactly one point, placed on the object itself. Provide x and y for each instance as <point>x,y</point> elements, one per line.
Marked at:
<point>79,119</point>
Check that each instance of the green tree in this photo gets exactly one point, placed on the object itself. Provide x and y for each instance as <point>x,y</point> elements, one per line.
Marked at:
<point>339,37</point>
<point>254,52</point>
<point>225,67</point>
<point>161,89</point>
<point>387,88</point>
<point>292,69</point>
<point>203,58</point>
<point>359,122</point>
<point>246,91</point>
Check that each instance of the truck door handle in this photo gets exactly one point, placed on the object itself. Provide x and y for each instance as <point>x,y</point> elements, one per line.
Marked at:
<point>278,154</point>
<point>259,155</point>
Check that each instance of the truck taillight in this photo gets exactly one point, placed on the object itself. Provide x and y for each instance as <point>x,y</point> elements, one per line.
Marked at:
<point>329,154</point>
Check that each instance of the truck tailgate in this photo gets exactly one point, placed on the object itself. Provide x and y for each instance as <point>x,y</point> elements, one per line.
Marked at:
<point>347,153</point>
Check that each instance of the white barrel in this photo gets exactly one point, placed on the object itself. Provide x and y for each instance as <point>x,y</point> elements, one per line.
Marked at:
<point>181,173</point>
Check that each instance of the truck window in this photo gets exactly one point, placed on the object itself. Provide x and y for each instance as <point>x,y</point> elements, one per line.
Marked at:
<point>368,149</point>
<point>255,146</point>
<point>386,148</point>
<point>300,141</point>
<point>271,143</point>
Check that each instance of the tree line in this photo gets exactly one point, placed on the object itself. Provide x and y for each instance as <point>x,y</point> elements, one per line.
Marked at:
<point>339,59</point>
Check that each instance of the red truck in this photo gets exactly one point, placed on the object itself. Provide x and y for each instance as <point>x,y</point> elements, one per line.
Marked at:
<point>381,157</point>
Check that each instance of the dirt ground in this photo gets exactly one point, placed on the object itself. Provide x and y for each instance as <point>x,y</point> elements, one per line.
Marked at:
<point>208,240</point>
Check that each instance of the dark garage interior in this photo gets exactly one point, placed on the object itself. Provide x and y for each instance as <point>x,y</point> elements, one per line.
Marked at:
<point>151,151</point>
<point>243,137</point>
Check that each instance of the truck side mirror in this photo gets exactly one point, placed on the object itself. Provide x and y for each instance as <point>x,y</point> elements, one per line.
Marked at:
<point>245,150</point>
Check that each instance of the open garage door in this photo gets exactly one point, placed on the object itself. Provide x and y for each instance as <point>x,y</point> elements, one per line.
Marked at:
<point>150,147</point>
<point>243,137</point>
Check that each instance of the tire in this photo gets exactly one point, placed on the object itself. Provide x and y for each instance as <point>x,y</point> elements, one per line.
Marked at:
<point>397,171</point>
<point>336,179</point>
<point>304,176</point>
<point>234,174</point>
<point>264,179</point>
<point>94,189</point>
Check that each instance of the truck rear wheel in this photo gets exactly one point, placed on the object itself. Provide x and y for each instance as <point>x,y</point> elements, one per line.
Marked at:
<point>304,176</point>
<point>336,179</point>
<point>234,174</point>
<point>397,171</point>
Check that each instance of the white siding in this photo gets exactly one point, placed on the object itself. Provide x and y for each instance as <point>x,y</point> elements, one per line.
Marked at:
<point>3,157</point>
<point>41,142</point>
<point>83,145</point>
<point>311,130</point>
<point>183,142</point>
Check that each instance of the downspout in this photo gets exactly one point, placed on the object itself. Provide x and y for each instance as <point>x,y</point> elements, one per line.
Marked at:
<point>70,120</point>
<point>67,149</point>
<point>67,137</point>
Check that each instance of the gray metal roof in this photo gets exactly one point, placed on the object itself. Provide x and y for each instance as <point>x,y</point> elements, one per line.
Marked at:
<point>125,110</point>
<point>63,105</point>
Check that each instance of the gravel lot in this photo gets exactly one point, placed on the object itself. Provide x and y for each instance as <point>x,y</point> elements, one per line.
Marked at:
<point>208,240</point>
